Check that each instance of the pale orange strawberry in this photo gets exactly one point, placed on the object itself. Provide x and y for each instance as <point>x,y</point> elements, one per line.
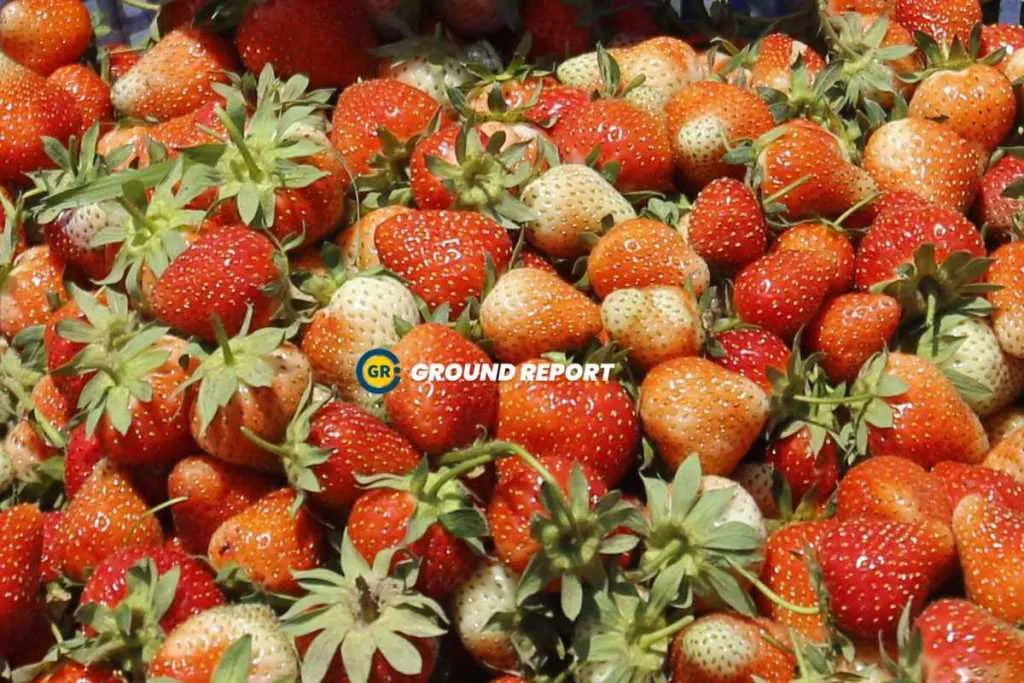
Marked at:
<point>1008,319</point>
<point>851,328</point>
<point>1008,455</point>
<point>640,252</point>
<point>990,540</point>
<point>45,34</point>
<point>358,250</point>
<point>703,119</point>
<point>690,405</point>
<point>530,312</point>
<point>27,290</point>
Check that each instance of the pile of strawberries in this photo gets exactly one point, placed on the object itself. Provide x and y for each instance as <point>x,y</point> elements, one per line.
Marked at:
<point>800,257</point>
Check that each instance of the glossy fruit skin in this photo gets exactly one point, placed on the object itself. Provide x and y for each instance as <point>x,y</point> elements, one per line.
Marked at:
<point>196,591</point>
<point>22,528</point>
<point>782,291</point>
<point>360,445</point>
<point>328,41</point>
<point>442,254</point>
<point>43,35</point>
<point>1008,319</point>
<point>690,405</point>
<point>830,242</point>
<point>624,134</point>
<point>438,416</point>
<point>214,491</point>
<point>803,468</point>
<point>379,521</point>
<point>640,252</point>
<point>701,118</point>
<point>516,501</point>
<point>941,19</point>
<point>750,352</point>
<point>697,654</point>
<point>959,481</point>
<point>990,538</point>
<point>428,190</point>
<point>655,323</point>
<point>727,226</point>
<point>69,671</point>
<point>785,571</point>
<point>849,329</point>
<point>90,92</point>
<point>892,488</point>
<point>991,207</point>
<point>776,56</point>
<point>269,542</point>
<point>591,422</point>
<point>962,641</point>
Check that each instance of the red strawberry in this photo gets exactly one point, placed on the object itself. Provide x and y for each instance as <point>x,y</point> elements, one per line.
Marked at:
<point>895,236</point>
<point>49,561</point>
<point>592,422</point>
<point>750,352</point>
<point>827,240</point>
<point>625,135</point>
<point>892,488</point>
<point>229,272</point>
<point>851,328</point>
<point>81,455</point>
<point>327,41</point>
<point>990,538</point>
<point>706,117</point>
<point>440,415</point>
<point>803,468</point>
<point>90,92</point>
<point>943,20</point>
<point>559,29</point>
<point>33,109</point>
<point>962,641</point>
<point>69,671</point>
<point>727,226</point>
<point>214,491</point>
<point>175,76</point>
<point>960,480</point>
<point>443,254</point>
<point>776,55</point>
<point>873,568</point>
<point>786,571</point>
<point>269,540</point>
<point>108,513</point>
<point>195,591</point>
<point>991,208</point>
<point>22,531</point>
<point>783,290</point>
<point>45,34</point>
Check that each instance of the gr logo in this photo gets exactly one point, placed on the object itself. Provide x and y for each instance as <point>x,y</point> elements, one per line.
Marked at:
<point>378,371</point>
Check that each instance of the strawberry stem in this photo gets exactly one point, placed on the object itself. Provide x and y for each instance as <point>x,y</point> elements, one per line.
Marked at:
<point>666,632</point>
<point>779,194</point>
<point>255,172</point>
<point>276,449</point>
<point>222,340</point>
<point>769,593</point>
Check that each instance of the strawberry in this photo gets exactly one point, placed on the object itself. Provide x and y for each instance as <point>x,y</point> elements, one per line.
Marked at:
<point>90,92</point>
<point>358,251</point>
<point>943,20</point>
<point>926,158</point>
<point>827,240</point>
<point>474,18</point>
<point>805,466</point>
<point>191,653</point>
<point>488,593</point>
<point>230,273</point>
<point>400,616</point>
<point>624,135</point>
<point>82,452</point>
<point>851,328</point>
<point>975,100</point>
<point>530,312</point>
<point>559,29</point>
<point>1009,37</point>
<point>960,480</point>
<point>782,291</point>
<point>930,422</point>
<point>45,34</point>
<point>431,63</point>
<point>566,418</point>
<point>873,568</point>
<point>70,671</point>
<point>1008,318</point>
<point>22,528</point>
<point>640,252</point>
<point>443,254</point>
<point>268,377</point>
<point>787,573</point>
<point>569,201</point>
<point>107,514</point>
<point>776,55</point>
<point>862,6</point>
<point>326,41</point>
<point>269,540</point>
<point>989,537</point>
<point>707,118</point>
<point>698,655</point>
<point>690,405</point>
<point>750,352</point>
<point>1008,455</point>
<point>960,639</point>
<point>358,316</point>
<point>992,208</point>
<point>28,285</point>
<point>896,235</point>
<point>368,106</point>
<point>175,76</point>
<point>667,65</point>
<point>440,415</point>
<point>892,488</point>
<point>121,58</point>
<point>727,225</point>
<point>654,323</point>
<point>214,491</point>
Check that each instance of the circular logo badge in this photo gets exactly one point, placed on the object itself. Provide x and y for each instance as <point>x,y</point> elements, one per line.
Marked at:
<point>378,371</point>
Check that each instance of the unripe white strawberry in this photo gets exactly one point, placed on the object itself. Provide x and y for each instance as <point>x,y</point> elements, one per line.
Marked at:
<point>654,323</point>
<point>727,647</point>
<point>742,508</point>
<point>489,591</point>
<point>570,200</point>
<point>433,79</point>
